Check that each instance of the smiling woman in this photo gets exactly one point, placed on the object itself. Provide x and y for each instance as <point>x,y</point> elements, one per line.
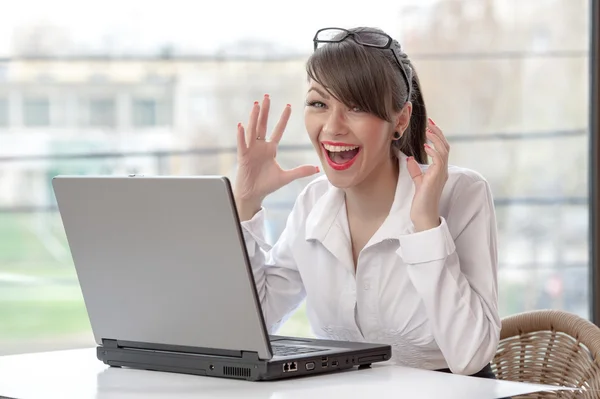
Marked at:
<point>389,73</point>
<point>384,247</point>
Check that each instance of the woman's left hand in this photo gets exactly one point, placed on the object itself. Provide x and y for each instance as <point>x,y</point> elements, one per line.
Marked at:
<point>425,212</point>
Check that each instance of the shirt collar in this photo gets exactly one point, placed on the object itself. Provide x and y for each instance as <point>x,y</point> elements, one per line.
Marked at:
<point>327,221</point>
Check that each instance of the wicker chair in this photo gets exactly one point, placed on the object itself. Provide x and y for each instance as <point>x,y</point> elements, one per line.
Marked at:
<point>550,347</point>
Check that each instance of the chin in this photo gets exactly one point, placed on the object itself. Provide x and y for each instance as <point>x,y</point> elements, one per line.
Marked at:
<point>341,180</point>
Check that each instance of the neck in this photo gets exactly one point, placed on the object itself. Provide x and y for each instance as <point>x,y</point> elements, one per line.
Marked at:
<point>373,197</point>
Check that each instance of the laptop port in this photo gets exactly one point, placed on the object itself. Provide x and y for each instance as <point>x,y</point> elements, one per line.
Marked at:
<point>290,366</point>
<point>310,365</point>
<point>323,364</point>
<point>334,363</point>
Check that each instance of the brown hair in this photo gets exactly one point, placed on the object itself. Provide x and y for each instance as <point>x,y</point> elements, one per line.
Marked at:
<point>371,79</point>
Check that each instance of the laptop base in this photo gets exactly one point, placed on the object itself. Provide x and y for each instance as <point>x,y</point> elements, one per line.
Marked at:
<point>247,367</point>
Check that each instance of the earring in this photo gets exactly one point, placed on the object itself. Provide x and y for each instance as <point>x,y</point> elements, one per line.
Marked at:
<point>397,136</point>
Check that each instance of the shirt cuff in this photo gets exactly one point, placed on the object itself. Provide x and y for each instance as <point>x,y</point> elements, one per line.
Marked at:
<point>254,233</point>
<point>427,246</point>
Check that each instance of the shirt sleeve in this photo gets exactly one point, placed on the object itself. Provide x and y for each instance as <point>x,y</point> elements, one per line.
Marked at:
<point>278,282</point>
<point>454,269</point>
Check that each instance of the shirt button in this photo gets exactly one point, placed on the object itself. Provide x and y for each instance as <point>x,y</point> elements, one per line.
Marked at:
<point>367,286</point>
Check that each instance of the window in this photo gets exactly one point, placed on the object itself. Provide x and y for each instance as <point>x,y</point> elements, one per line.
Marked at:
<point>3,112</point>
<point>151,112</point>
<point>102,113</point>
<point>144,113</point>
<point>508,82</point>
<point>36,112</point>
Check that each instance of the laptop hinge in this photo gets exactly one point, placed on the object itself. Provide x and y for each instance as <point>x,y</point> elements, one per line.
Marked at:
<point>250,356</point>
<point>179,349</point>
<point>109,343</point>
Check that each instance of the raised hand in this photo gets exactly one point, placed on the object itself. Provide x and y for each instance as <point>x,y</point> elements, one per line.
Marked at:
<point>258,173</point>
<point>429,185</point>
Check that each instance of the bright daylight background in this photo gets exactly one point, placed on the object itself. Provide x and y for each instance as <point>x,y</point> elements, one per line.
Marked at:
<point>158,87</point>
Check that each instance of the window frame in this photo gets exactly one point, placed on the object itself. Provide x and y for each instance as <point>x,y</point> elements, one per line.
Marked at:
<point>594,162</point>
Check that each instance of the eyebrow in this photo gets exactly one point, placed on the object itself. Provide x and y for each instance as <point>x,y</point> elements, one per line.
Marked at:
<point>323,94</point>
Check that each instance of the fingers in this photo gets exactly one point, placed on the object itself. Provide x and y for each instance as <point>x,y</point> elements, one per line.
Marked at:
<point>438,143</point>
<point>414,170</point>
<point>251,132</point>
<point>241,139</point>
<point>299,173</point>
<point>281,125</point>
<point>263,117</point>
<point>434,154</point>
<point>438,153</point>
<point>433,128</point>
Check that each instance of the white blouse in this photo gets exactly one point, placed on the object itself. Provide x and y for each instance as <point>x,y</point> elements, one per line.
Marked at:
<point>431,295</point>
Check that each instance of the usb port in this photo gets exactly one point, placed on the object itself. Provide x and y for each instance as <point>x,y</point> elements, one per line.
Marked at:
<point>334,363</point>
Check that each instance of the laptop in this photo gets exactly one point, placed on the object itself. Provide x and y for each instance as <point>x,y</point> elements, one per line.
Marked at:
<point>168,286</point>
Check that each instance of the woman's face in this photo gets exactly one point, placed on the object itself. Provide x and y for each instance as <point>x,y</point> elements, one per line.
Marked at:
<point>351,144</point>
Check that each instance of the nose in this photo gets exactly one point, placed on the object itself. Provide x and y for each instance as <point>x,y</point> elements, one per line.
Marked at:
<point>336,124</point>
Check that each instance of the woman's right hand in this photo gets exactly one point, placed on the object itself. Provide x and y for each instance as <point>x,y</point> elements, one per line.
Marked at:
<point>258,173</point>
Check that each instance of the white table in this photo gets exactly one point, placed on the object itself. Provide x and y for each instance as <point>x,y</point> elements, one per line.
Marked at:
<point>78,374</point>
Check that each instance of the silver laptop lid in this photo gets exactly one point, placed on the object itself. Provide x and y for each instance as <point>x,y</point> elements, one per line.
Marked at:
<point>161,260</point>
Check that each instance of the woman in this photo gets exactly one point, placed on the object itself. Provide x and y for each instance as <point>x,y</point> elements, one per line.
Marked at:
<point>383,247</point>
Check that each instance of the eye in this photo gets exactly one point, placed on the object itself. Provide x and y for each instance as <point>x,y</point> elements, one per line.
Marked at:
<point>316,104</point>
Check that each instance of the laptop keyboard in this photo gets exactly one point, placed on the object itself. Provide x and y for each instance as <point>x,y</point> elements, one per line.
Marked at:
<point>290,350</point>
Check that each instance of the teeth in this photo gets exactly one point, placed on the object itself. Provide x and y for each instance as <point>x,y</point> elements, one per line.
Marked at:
<point>339,148</point>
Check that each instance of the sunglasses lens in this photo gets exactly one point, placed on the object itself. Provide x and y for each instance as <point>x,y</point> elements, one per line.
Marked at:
<point>331,35</point>
<point>374,39</point>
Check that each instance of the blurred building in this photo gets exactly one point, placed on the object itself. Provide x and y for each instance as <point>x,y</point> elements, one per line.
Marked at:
<point>94,105</point>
